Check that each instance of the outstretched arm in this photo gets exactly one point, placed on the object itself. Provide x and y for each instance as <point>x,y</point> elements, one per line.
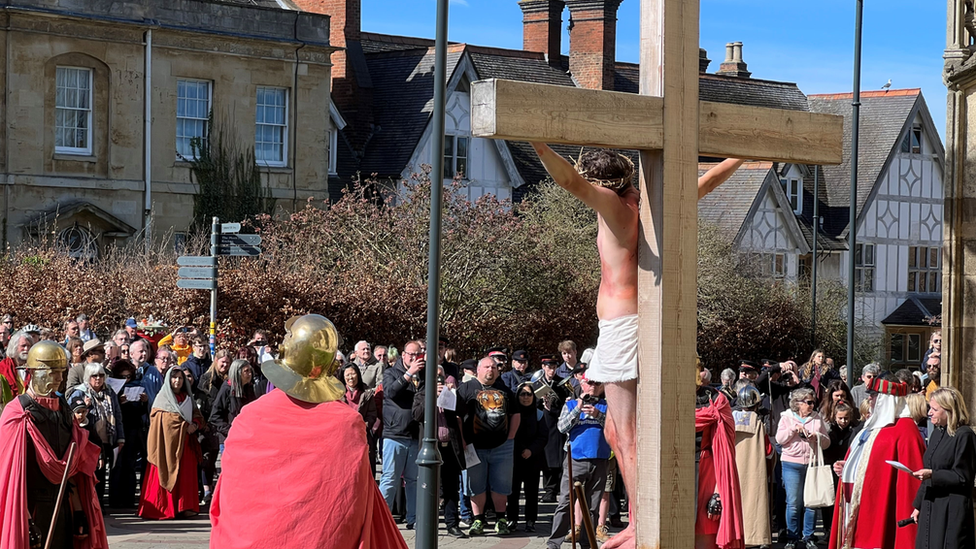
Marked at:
<point>717,175</point>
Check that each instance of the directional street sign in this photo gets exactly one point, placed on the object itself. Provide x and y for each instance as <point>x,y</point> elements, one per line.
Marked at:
<point>239,250</point>
<point>240,239</point>
<point>230,228</point>
<point>198,272</point>
<point>196,284</point>
<point>196,261</point>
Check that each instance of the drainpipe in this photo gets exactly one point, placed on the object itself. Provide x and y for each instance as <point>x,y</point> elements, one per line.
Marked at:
<point>147,140</point>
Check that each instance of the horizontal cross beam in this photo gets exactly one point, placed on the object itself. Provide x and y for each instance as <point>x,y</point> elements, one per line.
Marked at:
<point>522,111</point>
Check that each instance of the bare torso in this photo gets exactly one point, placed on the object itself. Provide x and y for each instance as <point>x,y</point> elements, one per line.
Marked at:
<point>618,262</point>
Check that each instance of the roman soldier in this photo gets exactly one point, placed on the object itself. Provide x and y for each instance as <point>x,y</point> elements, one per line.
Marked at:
<point>38,429</point>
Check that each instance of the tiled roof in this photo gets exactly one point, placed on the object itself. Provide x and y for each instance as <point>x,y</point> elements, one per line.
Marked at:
<point>882,117</point>
<point>729,204</point>
<point>915,311</point>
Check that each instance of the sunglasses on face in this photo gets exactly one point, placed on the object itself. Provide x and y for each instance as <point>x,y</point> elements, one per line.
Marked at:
<point>809,402</point>
<point>99,375</point>
<point>527,395</point>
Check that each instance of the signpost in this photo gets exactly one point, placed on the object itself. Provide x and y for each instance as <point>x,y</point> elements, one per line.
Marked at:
<point>200,272</point>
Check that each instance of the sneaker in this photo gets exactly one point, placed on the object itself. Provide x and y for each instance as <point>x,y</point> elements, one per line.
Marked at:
<point>477,528</point>
<point>464,524</point>
<point>790,545</point>
<point>602,533</point>
<point>811,544</point>
<point>501,527</point>
<point>529,526</point>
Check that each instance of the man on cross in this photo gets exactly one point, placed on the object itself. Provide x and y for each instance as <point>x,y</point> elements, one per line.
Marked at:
<point>602,179</point>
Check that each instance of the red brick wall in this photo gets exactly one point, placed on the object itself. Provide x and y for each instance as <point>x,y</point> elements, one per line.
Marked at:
<point>346,20</point>
<point>541,26</point>
<point>592,42</point>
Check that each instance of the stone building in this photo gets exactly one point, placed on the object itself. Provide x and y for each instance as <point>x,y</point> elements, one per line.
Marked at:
<point>103,98</point>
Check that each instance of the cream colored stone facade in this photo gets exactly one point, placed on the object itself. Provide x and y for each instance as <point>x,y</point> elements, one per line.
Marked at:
<point>235,48</point>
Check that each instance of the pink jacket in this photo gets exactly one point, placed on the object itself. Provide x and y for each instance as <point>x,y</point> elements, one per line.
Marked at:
<point>797,449</point>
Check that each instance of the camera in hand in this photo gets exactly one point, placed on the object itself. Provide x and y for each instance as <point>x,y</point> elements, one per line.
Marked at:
<point>590,399</point>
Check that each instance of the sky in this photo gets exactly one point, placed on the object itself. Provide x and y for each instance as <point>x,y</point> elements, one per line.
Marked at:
<point>809,43</point>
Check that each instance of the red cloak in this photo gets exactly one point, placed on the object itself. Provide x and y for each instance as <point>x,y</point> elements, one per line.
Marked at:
<point>297,475</point>
<point>887,494</point>
<point>15,427</point>
<point>8,369</point>
<point>717,470</point>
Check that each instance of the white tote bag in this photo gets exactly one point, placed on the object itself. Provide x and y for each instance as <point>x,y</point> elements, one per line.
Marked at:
<point>818,488</point>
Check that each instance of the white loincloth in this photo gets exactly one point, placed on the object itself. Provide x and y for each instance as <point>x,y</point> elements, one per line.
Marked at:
<point>615,358</point>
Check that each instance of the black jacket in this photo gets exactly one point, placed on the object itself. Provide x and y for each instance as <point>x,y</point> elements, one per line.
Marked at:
<point>226,407</point>
<point>454,428</point>
<point>398,394</point>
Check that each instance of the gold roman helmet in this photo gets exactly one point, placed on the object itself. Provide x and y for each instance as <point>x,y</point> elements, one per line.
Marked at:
<point>46,363</point>
<point>306,366</point>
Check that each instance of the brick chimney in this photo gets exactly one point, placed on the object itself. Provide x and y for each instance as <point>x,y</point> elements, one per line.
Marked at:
<point>733,64</point>
<point>344,27</point>
<point>542,27</point>
<point>593,42</point>
<point>703,60</point>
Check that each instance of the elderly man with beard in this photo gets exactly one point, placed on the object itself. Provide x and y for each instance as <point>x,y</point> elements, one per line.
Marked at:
<point>489,423</point>
<point>17,349</point>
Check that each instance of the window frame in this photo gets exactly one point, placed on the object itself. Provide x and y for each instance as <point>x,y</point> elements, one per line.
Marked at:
<point>918,255</point>
<point>206,121</point>
<point>451,160</point>
<point>788,186</point>
<point>77,151</point>
<point>861,267</point>
<point>333,149</point>
<point>285,128</point>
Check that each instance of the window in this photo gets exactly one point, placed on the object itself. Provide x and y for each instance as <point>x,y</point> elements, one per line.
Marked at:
<point>455,156</point>
<point>192,114</point>
<point>333,150</point>
<point>804,268</point>
<point>78,243</point>
<point>73,111</point>
<point>864,267</point>
<point>913,141</point>
<point>779,265</point>
<point>271,126</point>
<point>924,269</point>
<point>794,191</point>
<point>905,348</point>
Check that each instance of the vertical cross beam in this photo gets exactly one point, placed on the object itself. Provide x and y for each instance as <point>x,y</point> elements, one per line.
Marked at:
<point>667,281</point>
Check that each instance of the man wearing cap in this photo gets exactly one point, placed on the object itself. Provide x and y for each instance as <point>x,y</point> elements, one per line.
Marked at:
<point>873,496</point>
<point>748,370</point>
<point>514,377</point>
<point>93,352</point>
<point>555,452</point>
<point>500,357</point>
<point>20,344</point>
<point>309,495</point>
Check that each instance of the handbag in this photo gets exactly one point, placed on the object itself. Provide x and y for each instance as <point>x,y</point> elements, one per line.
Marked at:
<point>818,488</point>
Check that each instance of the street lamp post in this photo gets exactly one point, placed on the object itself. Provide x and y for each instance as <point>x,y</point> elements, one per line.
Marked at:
<point>852,234</point>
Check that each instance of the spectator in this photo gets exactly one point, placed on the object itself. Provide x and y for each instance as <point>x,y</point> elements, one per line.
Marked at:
<point>800,432</point>
<point>944,502</point>
<point>169,488</point>
<point>469,370</point>
<point>400,431</point>
<point>919,410</point>
<point>248,353</point>
<point>236,393</point>
<point>179,342</point>
<point>567,349</point>
<point>152,378</point>
<point>728,378</point>
<point>84,330</point>
<point>490,424</point>
<point>71,330</point>
<point>860,391</point>
<point>842,427</point>
<point>518,374</point>
<point>935,346</point>
<point>259,341</point>
<point>17,349</point>
<point>199,360</point>
<point>91,352</point>
<point>553,406</point>
<point>933,367</point>
<point>530,444</point>
<point>131,329</point>
<point>122,480</point>
<point>811,368</point>
<point>362,398</point>
<point>452,451</point>
<point>501,359</point>
<point>106,416</point>
<point>361,354</point>
<point>583,421</point>
<point>451,369</point>
<point>370,367</point>
<point>835,393</point>
<point>748,370</point>
<point>379,353</point>
<point>206,436</point>
<point>753,454</point>
<point>121,337</point>
<point>216,376</point>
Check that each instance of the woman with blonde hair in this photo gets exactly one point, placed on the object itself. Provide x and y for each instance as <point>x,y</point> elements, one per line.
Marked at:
<point>812,367</point>
<point>919,409</point>
<point>944,504</point>
<point>801,431</point>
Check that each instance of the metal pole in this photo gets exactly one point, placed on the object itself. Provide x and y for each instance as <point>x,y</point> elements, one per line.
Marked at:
<point>429,458</point>
<point>813,263</point>
<point>214,241</point>
<point>852,235</point>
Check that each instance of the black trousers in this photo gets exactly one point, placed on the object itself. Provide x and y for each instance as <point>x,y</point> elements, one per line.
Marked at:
<point>450,485</point>
<point>525,476</point>
<point>551,477</point>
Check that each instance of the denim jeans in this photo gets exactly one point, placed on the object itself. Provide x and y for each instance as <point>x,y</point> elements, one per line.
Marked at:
<point>400,458</point>
<point>794,475</point>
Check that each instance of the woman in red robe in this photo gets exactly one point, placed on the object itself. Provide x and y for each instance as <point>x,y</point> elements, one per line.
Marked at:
<point>170,487</point>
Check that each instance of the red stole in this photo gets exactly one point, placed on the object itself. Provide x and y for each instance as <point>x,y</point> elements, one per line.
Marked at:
<point>15,427</point>
<point>717,470</point>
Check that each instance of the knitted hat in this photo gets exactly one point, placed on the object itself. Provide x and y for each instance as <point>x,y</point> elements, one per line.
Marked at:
<point>888,387</point>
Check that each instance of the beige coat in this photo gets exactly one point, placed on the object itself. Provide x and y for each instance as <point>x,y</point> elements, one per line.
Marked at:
<point>750,460</point>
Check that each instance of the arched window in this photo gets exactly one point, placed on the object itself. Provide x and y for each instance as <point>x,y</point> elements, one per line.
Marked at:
<point>78,243</point>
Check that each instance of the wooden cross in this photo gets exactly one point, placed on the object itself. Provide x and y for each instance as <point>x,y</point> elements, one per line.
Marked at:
<point>670,127</point>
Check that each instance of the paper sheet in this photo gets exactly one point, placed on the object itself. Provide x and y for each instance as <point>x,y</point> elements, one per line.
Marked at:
<point>132,393</point>
<point>115,456</point>
<point>447,400</point>
<point>470,456</point>
<point>115,384</point>
<point>900,467</point>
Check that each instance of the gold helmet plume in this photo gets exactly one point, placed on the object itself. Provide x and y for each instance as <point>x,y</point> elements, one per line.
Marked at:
<point>306,365</point>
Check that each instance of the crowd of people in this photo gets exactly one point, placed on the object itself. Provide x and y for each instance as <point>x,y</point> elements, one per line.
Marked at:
<point>514,432</point>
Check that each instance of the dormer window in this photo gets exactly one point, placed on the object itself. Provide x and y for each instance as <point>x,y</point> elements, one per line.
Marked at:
<point>794,191</point>
<point>913,141</point>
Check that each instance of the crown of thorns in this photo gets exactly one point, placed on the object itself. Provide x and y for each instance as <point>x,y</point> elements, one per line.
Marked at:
<point>615,184</point>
